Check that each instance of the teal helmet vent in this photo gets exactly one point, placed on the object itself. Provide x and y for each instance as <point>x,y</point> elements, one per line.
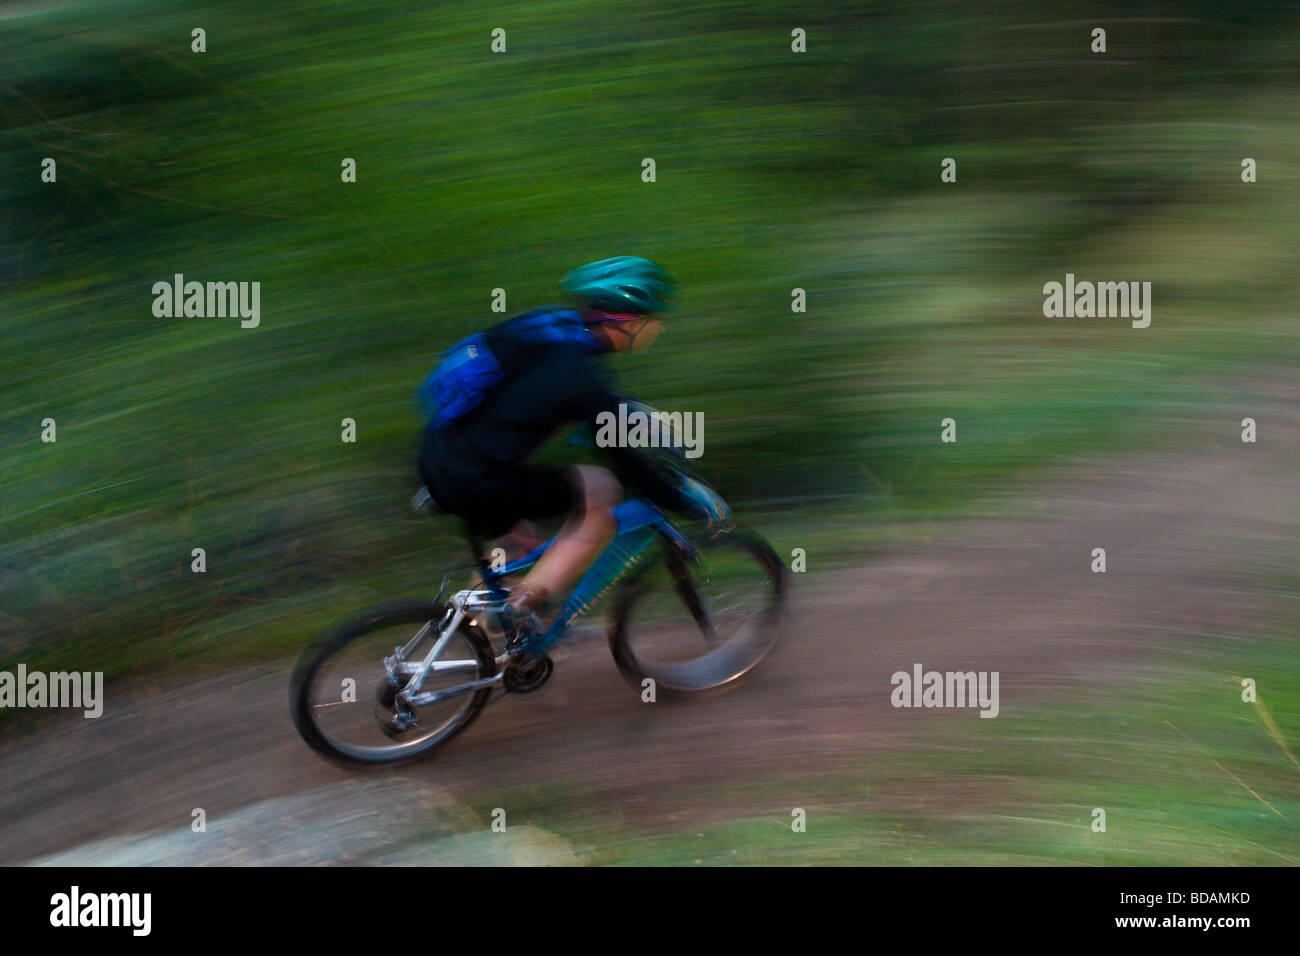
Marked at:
<point>622,284</point>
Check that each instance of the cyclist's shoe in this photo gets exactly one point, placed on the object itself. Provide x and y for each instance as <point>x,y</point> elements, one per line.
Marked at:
<point>522,630</point>
<point>527,667</point>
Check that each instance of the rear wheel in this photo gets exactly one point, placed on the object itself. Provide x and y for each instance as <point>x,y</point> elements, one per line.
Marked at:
<point>348,706</point>
<point>697,624</point>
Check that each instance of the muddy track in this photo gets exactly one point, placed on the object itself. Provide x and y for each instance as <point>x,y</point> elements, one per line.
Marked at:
<point>1189,538</point>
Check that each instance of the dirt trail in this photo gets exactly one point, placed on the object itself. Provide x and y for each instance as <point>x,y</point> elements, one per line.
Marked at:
<point>1188,539</point>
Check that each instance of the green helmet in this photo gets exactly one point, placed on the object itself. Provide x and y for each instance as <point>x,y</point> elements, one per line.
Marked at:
<point>622,284</point>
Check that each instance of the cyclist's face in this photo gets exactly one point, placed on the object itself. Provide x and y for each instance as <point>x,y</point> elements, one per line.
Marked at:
<point>644,335</point>
<point>631,335</point>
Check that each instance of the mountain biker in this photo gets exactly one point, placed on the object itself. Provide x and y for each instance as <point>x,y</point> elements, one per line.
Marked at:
<point>478,468</point>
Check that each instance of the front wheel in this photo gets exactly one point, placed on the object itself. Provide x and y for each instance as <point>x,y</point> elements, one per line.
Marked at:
<point>351,693</point>
<point>699,623</point>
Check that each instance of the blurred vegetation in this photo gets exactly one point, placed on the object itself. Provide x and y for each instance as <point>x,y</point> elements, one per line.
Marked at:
<point>478,171</point>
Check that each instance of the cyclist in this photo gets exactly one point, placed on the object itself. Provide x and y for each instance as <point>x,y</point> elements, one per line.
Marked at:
<point>477,467</point>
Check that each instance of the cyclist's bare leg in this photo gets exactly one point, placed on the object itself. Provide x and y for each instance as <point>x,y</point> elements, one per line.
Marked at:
<point>587,530</point>
<point>519,540</point>
<point>516,542</point>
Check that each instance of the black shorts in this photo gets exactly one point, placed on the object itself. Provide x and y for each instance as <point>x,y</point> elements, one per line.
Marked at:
<point>492,503</point>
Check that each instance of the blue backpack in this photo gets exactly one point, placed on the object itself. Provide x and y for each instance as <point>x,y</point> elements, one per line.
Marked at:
<point>469,371</point>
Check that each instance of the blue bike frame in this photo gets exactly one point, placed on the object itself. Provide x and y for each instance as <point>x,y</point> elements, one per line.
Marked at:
<point>639,523</point>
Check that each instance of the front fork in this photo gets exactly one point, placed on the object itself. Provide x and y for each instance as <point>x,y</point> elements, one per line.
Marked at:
<point>684,585</point>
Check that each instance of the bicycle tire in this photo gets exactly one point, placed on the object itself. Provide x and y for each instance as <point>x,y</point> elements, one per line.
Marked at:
<point>316,654</point>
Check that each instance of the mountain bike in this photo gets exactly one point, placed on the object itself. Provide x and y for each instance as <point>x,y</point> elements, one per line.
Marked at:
<point>693,613</point>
